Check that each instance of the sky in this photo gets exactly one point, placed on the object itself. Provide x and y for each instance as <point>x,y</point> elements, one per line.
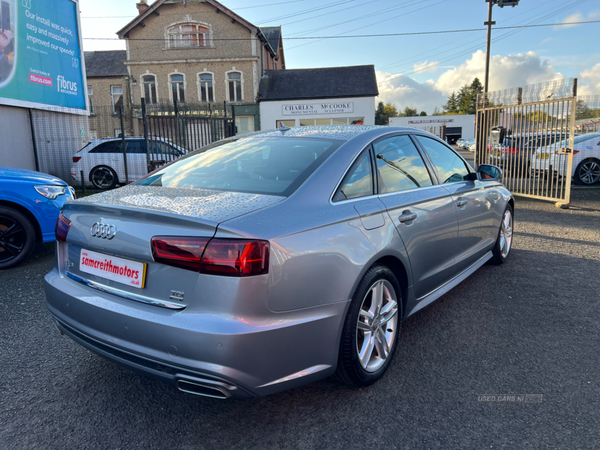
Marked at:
<point>419,71</point>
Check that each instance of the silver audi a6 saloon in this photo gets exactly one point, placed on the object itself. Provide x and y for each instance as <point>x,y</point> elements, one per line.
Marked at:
<point>271,260</point>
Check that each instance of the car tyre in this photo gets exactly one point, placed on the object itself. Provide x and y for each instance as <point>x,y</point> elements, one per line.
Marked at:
<point>587,172</point>
<point>504,242</point>
<point>17,238</point>
<point>371,329</point>
<point>103,177</point>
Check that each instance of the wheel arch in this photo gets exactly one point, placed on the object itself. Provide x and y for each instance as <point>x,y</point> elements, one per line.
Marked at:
<point>398,268</point>
<point>27,213</point>
<point>102,165</point>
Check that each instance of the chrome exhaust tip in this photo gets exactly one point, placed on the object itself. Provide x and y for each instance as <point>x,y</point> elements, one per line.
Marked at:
<point>203,389</point>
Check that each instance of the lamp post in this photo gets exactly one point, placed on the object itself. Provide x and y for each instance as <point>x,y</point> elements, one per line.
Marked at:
<point>489,23</point>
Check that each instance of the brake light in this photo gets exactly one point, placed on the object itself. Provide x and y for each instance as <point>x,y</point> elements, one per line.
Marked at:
<point>510,150</point>
<point>63,225</point>
<point>76,158</point>
<point>226,257</point>
<point>575,152</point>
<point>235,258</point>
<point>182,252</point>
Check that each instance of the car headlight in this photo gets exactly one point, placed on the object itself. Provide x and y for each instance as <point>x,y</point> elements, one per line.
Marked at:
<point>51,191</point>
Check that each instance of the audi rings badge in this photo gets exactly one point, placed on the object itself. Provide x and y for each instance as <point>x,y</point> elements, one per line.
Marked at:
<point>103,230</point>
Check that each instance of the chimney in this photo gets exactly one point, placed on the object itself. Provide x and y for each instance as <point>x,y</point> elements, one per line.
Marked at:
<point>142,6</point>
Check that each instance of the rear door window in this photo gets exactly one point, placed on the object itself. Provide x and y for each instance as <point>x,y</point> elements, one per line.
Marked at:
<point>136,146</point>
<point>358,182</point>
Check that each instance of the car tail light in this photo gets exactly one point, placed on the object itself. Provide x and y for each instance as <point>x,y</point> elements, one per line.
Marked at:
<point>510,150</point>
<point>235,258</point>
<point>76,158</point>
<point>62,228</point>
<point>182,252</point>
<point>226,257</point>
<point>575,152</point>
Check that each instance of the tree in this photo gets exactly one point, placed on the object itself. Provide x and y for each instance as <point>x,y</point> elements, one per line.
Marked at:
<point>437,112</point>
<point>583,111</point>
<point>384,112</point>
<point>423,113</point>
<point>410,112</point>
<point>451,106</point>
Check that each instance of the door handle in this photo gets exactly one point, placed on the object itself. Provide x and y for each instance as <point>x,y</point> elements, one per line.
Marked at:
<point>460,202</point>
<point>407,216</point>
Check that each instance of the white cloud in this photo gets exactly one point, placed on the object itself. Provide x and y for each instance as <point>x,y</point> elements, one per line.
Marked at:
<point>505,72</point>
<point>576,17</point>
<point>426,66</point>
<point>591,78</point>
<point>404,91</point>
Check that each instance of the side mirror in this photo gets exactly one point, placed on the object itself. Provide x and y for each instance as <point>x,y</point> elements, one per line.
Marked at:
<point>497,135</point>
<point>487,172</point>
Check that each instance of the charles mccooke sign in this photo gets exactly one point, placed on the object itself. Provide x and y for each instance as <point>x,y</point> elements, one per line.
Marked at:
<point>317,108</point>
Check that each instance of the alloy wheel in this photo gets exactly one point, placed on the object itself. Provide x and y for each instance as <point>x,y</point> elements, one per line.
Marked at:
<point>589,172</point>
<point>506,233</point>
<point>377,325</point>
<point>103,178</point>
<point>12,239</point>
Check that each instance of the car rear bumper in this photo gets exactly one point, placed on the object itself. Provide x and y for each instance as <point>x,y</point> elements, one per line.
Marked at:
<point>255,356</point>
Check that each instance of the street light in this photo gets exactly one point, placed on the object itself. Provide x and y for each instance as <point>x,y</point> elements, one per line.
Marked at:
<point>489,23</point>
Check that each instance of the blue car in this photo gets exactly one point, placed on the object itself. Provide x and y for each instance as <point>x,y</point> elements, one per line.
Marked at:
<point>29,206</point>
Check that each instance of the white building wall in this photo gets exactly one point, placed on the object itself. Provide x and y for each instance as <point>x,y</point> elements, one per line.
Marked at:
<point>272,111</point>
<point>16,147</point>
<point>466,122</point>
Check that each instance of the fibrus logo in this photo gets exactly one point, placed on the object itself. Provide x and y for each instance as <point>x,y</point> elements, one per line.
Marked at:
<point>66,87</point>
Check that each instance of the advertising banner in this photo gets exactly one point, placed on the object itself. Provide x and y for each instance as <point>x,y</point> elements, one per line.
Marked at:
<point>41,64</point>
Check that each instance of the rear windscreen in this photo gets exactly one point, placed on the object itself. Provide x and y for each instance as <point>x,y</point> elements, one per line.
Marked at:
<point>261,165</point>
<point>85,146</point>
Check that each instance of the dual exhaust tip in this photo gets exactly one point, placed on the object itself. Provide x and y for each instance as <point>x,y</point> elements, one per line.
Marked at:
<point>204,388</point>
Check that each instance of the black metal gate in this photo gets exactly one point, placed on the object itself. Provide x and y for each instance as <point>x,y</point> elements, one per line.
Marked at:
<point>173,130</point>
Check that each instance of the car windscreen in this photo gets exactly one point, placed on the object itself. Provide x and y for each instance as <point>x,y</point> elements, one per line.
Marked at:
<point>259,165</point>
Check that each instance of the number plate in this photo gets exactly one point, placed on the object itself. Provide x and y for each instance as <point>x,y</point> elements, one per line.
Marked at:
<point>545,156</point>
<point>124,271</point>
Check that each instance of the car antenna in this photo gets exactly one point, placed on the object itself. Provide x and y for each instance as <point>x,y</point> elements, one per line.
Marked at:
<point>283,129</point>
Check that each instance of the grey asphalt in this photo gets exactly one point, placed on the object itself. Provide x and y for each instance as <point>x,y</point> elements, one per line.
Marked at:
<point>531,326</point>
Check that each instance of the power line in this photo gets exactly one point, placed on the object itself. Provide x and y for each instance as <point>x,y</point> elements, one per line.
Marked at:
<point>357,36</point>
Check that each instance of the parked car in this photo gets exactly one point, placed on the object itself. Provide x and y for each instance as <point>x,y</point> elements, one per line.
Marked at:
<point>29,206</point>
<point>471,145</point>
<point>460,143</point>
<point>266,262</point>
<point>550,160</point>
<point>101,160</point>
<point>515,154</point>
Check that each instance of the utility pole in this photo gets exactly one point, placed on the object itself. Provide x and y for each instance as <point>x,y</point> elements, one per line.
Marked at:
<point>488,46</point>
<point>489,23</point>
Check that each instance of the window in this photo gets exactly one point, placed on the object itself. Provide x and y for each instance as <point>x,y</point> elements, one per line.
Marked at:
<point>234,86</point>
<point>244,124</point>
<point>205,80</point>
<point>187,35</point>
<point>178,88</point>
<point>265,165</point>
<point>90,93</point>
<point>307,122</point>
<point>136,146</point>
<point>358,182</point>
<point>286,123</point>
<point>116,93</point>
<point>149,89</point>
<point>448,165</point>
<point>400,165</point>
<point>107,147</point>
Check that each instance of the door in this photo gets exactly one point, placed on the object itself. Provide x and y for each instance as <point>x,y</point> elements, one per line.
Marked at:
<point>473,201</point>
<point>137,163</point>
<point>424,214</point>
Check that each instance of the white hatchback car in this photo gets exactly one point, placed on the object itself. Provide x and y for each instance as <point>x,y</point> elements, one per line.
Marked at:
<point>586,159</point>
<point>101,160</point>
